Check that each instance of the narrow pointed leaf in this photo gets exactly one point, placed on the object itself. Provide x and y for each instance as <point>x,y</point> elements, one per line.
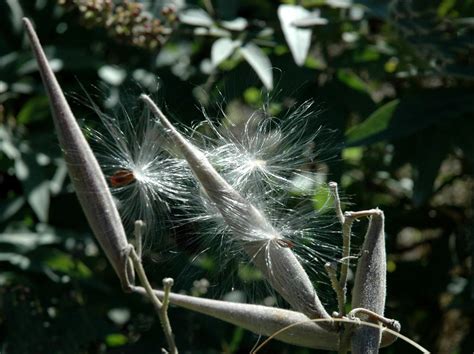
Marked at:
<point>376,123</point>
<point>222,49</point>
<point>260,62</point>
<point>298,39</point>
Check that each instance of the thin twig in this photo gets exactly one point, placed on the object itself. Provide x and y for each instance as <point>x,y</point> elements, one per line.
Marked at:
<point>331,270</point>
<point>390,323</point>
<point>340,288</point>
<point>160,307</point>
<point>346,252</point>
<point>138,231</point>
<point>337,201</point>
<point>167,284</point>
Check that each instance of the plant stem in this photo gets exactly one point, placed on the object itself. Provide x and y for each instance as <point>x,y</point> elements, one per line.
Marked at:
<point>373,316</point>
<point>331,270</point>
<point>346,252</point>
<point>337,201</point>
<point>161,308</point>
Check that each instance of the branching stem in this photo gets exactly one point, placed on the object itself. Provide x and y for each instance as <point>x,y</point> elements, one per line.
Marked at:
<point>160,307</point>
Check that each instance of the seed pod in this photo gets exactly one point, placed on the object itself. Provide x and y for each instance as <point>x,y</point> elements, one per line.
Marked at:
<point>370,284</point>
<point>263,320</point>
<point>259,239</point>
<point>86,175</point>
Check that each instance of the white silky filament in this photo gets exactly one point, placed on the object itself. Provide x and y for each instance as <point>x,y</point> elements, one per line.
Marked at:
<point>276,261</point>
<point>143,175</point>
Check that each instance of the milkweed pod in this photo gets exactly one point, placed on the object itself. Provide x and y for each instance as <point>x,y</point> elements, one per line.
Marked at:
<point>263,320</point>
<point>370,284</point>
<point>86,175</point>
<point>277,262</point>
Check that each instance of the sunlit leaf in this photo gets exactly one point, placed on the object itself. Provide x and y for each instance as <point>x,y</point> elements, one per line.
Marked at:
<point>8,145</point>
<point>15,14</point>
<point>63,262</point>
<point>112,75</point>
<point>34,110</point>
<point>15,259</point>
<point>260,62</point>
<point>352,80</point>
<point>8,208</point>
<point>237,24</point>
<point>323,199</point>
<point>116,340</point>
<point>196,17</point>
<point>222,49</point>
<point>298,39</point>
<point>376,123</point>
<point>24,241</point>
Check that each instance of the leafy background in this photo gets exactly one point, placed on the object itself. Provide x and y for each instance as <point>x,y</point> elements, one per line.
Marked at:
<point>394,79</point>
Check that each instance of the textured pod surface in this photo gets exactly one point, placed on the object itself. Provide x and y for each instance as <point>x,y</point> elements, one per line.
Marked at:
<point>263,320</point>
<point>86,175</point>
<point>287,276</point>
<point>259,239</point>
<point>370,284</point>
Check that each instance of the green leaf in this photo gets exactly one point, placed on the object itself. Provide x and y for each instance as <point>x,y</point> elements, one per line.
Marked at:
<point>349,78</point>
<point>116,340</point>
<point>63,262</point>
<point>35,184</point>
<point>8,208</point>
<point>15,259</point>
<point>414,112</point>
<point>16,14</point>
<point>35,109</point>
<point>353,154</point>
<point>112,75</point>
<point>237,24</point>
<point>260,62</point>
<point>323,199</point>
<point>376,123</point>
<point>59,177</point>
<point>196,17</point>
<point>25,241</point>
<point>8,145</point>
<point>222,49</point>
<point>298,39</point>
<point>38,198</point>
<point>236,341</point>
<point>248,273</point>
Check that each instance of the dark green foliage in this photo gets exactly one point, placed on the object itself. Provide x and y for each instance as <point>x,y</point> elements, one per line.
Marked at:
<point>394,79</point>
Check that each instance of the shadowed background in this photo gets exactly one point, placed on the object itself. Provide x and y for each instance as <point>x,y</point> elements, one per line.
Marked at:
<point>394,80</point>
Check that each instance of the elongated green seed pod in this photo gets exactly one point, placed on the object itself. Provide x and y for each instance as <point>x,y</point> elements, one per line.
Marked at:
<point>86,175</point>
<point>278,264</point>
<point>370,284</point>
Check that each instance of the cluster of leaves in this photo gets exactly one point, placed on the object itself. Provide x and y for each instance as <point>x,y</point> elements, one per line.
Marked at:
<point>394,79</point>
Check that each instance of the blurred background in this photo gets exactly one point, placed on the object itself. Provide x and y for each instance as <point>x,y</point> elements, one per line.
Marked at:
<point>394,80</point>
